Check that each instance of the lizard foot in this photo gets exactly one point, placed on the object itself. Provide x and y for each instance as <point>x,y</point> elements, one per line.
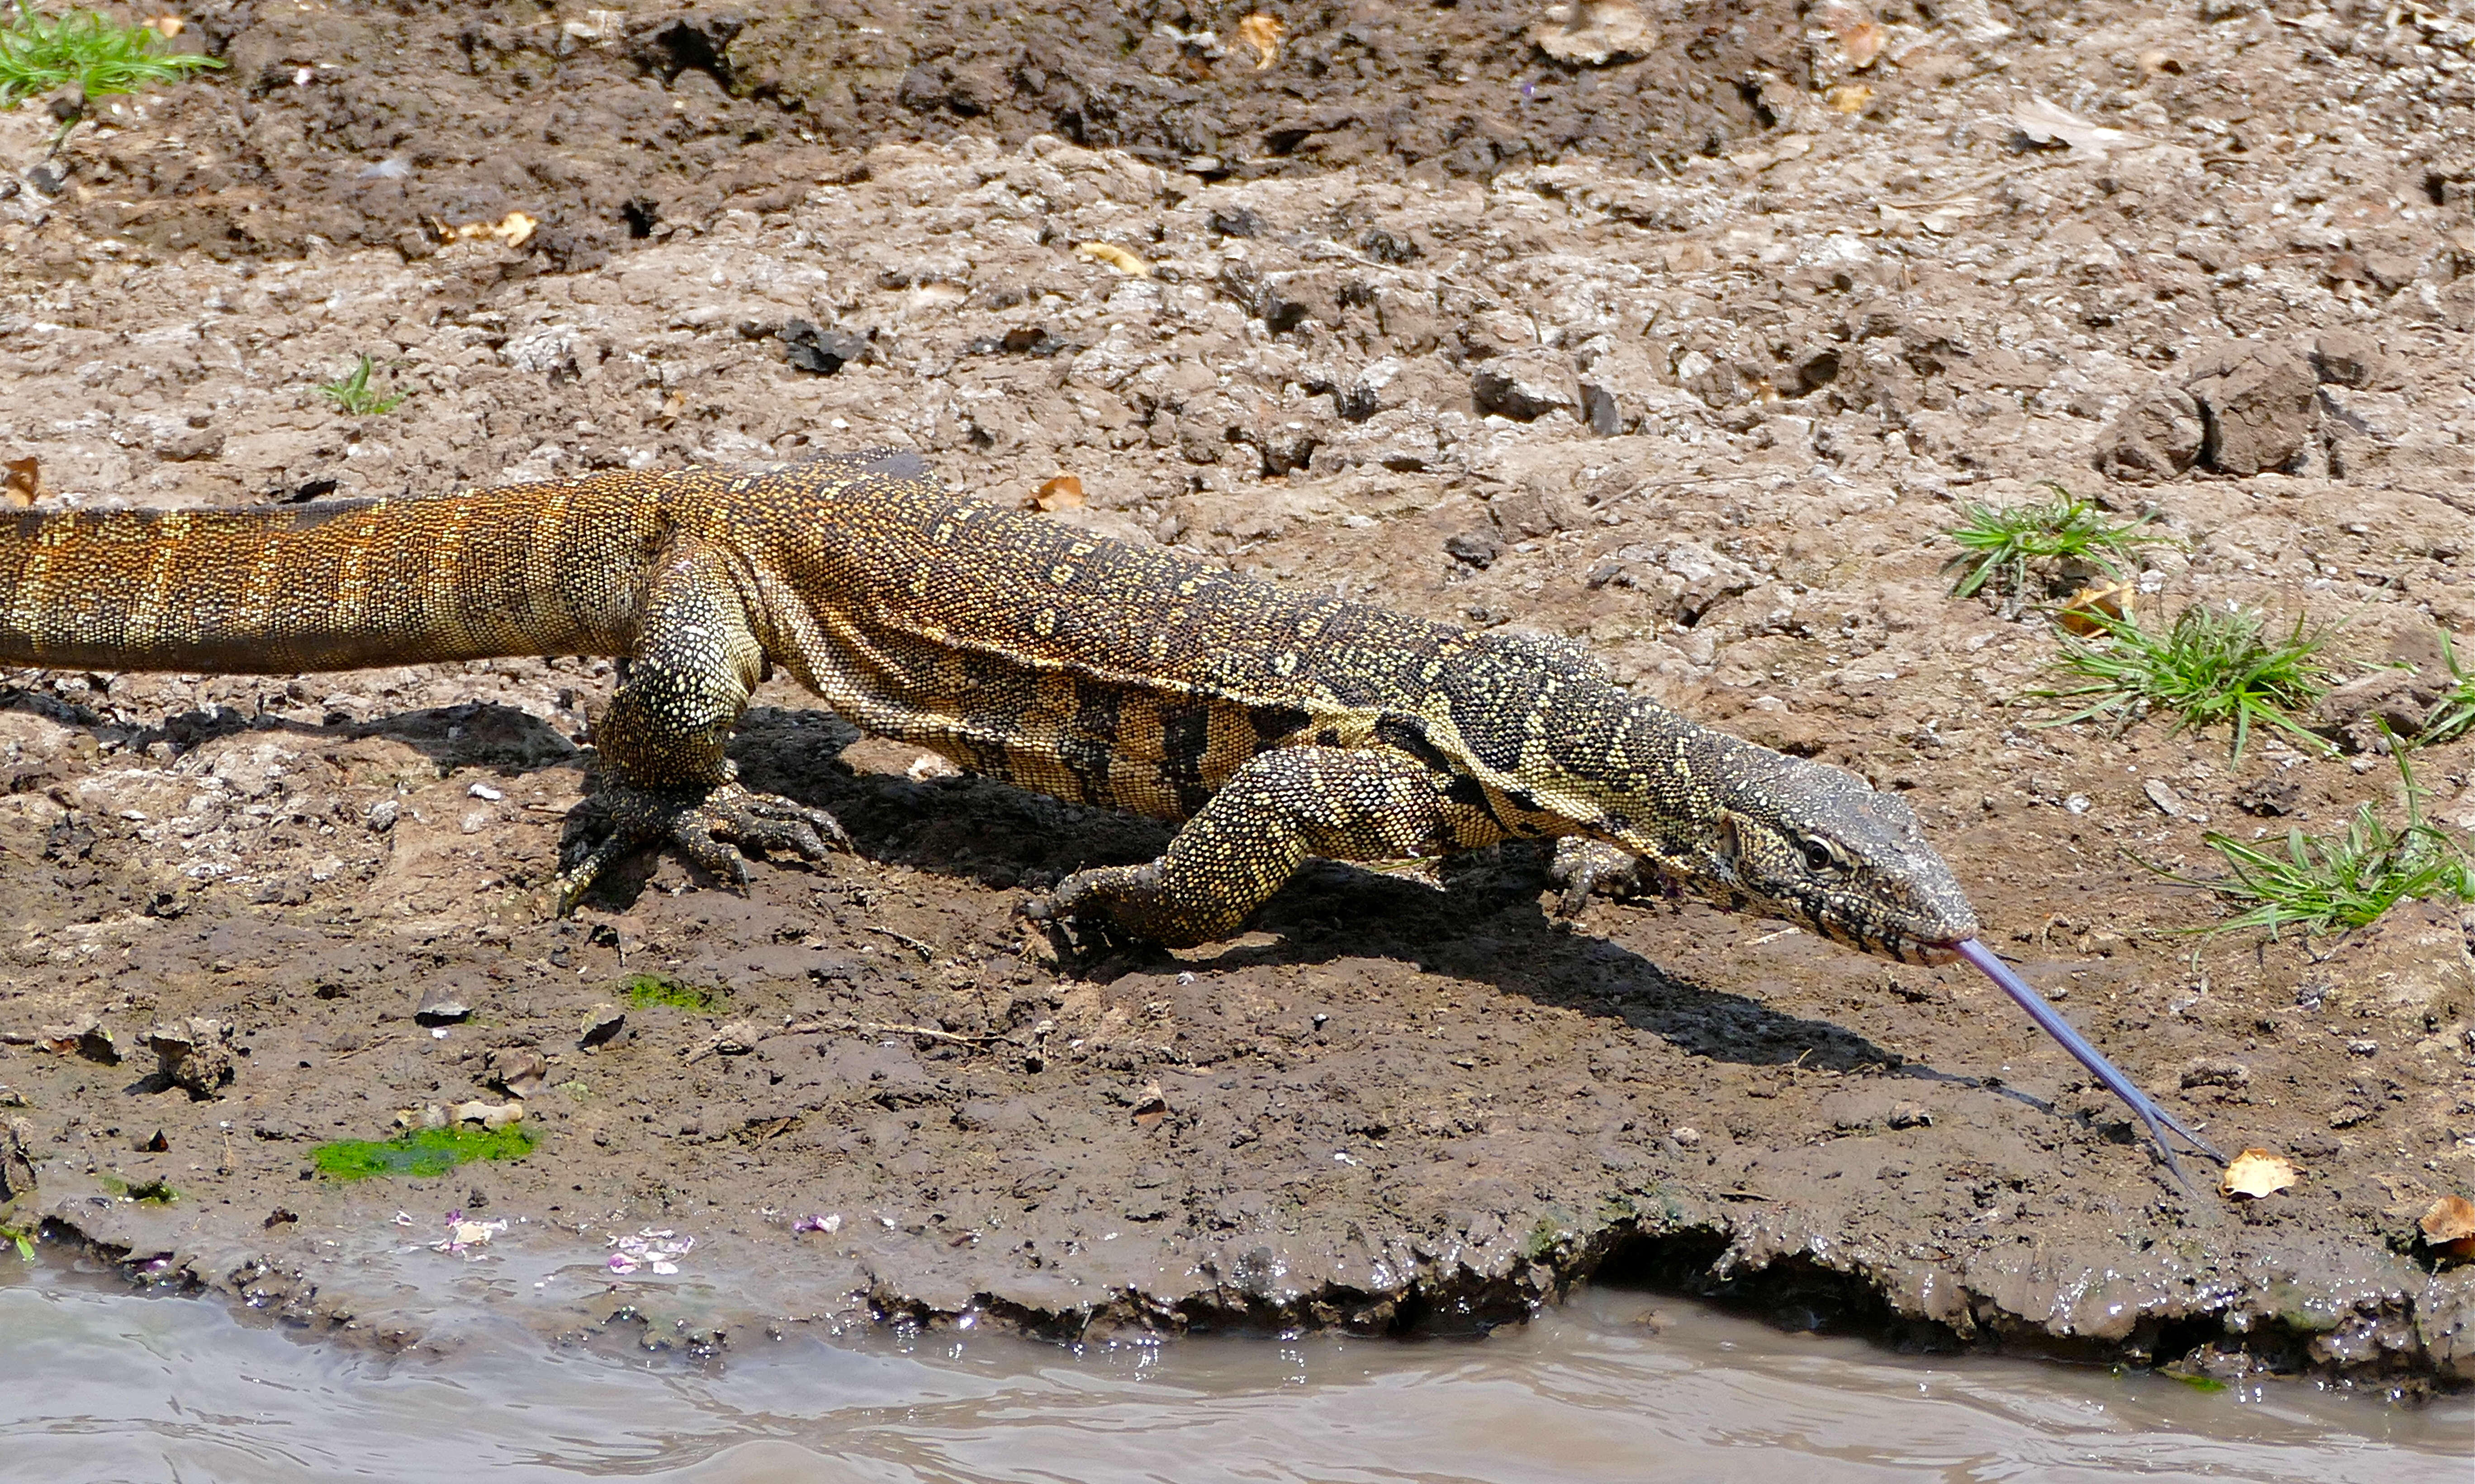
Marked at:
<point>712,829</point>
<point>1583,867</point>
<point>1109,905</point>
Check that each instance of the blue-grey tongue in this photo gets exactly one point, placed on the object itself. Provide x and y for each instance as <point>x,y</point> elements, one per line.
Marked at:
<point>2158,1120</point>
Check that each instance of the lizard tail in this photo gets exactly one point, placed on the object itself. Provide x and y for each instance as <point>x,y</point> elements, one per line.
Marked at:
<point>340,585</point>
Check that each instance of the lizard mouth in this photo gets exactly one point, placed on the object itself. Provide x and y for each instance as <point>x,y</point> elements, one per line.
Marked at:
<point>1903,947</point>
<point>1928,952</point>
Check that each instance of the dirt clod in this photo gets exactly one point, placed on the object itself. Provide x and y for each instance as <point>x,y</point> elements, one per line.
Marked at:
<point>2257,403</point>
<point>195,1054</point>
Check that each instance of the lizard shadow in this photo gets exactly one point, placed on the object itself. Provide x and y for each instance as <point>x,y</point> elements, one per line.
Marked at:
<point>469,734</point>
<point>1486,922</point>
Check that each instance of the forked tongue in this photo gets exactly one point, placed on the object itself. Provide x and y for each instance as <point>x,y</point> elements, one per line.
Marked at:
<point>2158,1120</point>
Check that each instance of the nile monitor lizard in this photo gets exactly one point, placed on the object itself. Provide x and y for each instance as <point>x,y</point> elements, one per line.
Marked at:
<point>1275,724</point>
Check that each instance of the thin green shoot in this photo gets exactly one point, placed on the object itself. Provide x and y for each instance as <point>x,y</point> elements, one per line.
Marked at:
<point>2214,665</point>
<point>2453,715</point>
<point>39,53</point>
<point>1998,544</point>
<point>354,397</point>
<point>2323,884</point>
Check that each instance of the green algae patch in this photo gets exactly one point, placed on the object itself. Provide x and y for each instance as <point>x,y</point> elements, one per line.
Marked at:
<point>152,1192</point>
<point>425,1152</point>
<point>645,990</point>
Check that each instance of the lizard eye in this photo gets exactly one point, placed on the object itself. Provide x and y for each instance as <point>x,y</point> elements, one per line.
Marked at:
<point>1818,855</point>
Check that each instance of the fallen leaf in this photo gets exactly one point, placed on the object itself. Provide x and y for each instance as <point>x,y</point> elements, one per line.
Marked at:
<point>2085,612</point>
<point>1151,1106</point>
<point>1849,98</point>
<point>1594,32</point>
<point>24,482</point>
<point>1262,32</point>
<point>2449,1227</point>
<point>1063,492</point>
<point>2256,1173</point>
<point>515,229</point>
<point>1115,257</point>
<point>167,26</point>
<point>2043,123</point>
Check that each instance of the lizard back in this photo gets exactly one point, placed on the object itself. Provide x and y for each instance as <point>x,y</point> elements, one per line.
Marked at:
<point>1099,672</point>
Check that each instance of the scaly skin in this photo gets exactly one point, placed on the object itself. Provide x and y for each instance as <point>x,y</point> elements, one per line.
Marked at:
<point>1277,724</point>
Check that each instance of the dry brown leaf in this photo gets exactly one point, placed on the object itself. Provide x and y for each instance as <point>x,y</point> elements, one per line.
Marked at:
<point>2449,1227</point>
<point>1262,32</point>
<point>24,484</point>
<point>2084,613</point>
<point>1115,257</point>
<point>2256,1173</point>
<point>1151,1106</point>
<point>515,229</point>
<point>1851,98</point>
<point>1063,492</point>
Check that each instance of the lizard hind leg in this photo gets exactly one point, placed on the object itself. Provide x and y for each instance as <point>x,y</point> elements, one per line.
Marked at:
<point>1277,810</point>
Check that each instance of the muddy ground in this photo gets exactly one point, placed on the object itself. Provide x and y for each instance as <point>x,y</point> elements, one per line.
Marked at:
<point>1688,354</point>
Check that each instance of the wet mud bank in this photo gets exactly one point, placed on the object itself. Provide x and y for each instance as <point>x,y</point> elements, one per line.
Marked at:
<point>1708,415</point>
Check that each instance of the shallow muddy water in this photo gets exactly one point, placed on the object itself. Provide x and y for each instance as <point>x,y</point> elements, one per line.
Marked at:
<point>97,1383</point>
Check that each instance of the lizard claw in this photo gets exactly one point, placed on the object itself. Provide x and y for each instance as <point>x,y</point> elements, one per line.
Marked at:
<point>711,829</point>
<point>1583,867</point>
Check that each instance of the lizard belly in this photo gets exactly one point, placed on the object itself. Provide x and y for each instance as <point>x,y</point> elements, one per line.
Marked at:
<point>1160,752</point>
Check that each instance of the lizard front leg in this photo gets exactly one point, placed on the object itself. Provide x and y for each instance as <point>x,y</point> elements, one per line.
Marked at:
<point>664,775</point>
<point>1583,867</point>
<point>1277,810</point>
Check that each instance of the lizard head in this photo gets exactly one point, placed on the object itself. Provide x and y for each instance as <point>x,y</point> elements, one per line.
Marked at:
<point>1816,845</point>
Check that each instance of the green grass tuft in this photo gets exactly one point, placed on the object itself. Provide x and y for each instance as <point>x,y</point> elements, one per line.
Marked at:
<point>1997,545</point>
<point>39,53</point>
<point>644,990</point>
<point>2322,884</point>
<point>353,396</point>
<point>2214,666</point>
<point>2453,715</point>
<point>422,1153</point>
